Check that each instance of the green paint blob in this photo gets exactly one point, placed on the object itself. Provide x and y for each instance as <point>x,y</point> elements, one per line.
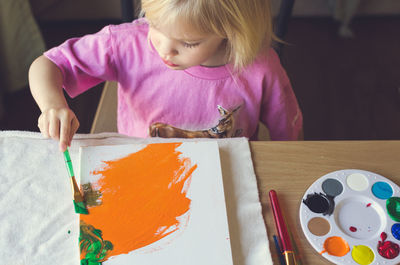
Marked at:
<point>393,208</point>
<point>92,245</point>
<point>69,231</point>
<point>80,207</point>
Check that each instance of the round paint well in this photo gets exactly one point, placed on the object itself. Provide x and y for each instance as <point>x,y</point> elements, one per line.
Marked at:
<point>386,248</point>
<point>332,187</point>
<point>396,231</point>
<point>382,190</point>
<point>357,181</point>
<point>319,203</point>
<point>393,208</point>
<point>357,220</point>
<point>336,246</point>
<point>363,255</point>
<point>319,226</point>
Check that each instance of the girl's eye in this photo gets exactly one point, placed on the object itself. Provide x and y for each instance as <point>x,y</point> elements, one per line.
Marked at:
<point>190,45</point>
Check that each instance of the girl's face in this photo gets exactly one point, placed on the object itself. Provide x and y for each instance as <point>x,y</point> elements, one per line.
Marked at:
<point>180,48</point>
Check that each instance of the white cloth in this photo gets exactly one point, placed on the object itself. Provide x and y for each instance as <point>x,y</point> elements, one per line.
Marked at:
<point>37,220</point>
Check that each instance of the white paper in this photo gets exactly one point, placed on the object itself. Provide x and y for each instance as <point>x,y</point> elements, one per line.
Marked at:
<point>205,239</point>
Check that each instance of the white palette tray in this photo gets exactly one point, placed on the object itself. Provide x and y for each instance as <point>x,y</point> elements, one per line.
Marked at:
<point>353,217</point>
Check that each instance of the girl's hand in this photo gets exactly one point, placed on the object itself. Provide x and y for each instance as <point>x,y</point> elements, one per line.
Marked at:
<point>60,124</point>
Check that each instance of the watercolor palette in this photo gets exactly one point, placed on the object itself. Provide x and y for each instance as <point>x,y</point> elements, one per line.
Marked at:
<point>353,217</point>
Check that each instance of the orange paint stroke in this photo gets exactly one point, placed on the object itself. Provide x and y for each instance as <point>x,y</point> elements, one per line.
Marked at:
<point>143,194</point>
<point>335,246</point>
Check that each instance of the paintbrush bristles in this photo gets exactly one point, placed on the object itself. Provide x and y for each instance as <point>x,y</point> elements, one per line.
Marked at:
<point>78,197</point>
<point>79,203</point>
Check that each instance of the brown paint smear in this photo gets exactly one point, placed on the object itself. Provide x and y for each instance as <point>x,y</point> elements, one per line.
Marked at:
<point>92,197</point>
<point>142,196</point>
<point>319,226</point>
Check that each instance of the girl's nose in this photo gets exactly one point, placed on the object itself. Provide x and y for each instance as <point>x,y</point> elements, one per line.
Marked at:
<point>167,49</point>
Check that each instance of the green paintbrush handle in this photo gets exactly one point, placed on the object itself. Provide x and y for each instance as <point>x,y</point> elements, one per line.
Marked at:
<point>68,163</point>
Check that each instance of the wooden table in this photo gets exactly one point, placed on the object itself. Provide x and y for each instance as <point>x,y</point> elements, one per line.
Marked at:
<point>291,167</point>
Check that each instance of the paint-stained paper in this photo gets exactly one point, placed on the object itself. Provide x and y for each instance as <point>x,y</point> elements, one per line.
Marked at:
<point>159,203</point>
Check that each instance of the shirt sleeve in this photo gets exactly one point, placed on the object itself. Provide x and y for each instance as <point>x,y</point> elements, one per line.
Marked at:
<point>85,62</point>
<point>280,111</point>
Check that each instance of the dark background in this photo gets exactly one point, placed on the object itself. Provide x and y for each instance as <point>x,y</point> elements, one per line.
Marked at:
<point>348,89</point>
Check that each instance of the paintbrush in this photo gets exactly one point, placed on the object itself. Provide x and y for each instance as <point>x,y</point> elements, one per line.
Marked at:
<point>281,227</point>
<point>79,203</point>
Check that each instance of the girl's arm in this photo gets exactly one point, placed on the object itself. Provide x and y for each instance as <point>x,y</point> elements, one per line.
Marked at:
<point>57,120</point>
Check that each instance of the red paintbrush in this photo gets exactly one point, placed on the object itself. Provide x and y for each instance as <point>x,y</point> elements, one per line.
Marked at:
<point>282,230</point>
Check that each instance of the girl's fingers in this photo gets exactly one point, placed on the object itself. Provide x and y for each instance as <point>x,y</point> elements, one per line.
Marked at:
<point>64,134</point>
<point>59,124</point>
<point>62,146</point>
<point>43,125</point>
<point>54,127</point>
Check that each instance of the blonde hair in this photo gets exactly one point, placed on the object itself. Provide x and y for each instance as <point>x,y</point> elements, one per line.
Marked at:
<point>246,24</point>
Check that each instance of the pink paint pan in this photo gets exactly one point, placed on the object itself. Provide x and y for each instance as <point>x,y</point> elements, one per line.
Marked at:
<point>352,216</point>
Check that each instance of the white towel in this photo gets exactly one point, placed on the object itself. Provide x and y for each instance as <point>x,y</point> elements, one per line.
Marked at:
<point>37,220</point>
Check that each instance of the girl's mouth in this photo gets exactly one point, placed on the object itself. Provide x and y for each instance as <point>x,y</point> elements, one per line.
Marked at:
<point>169,63</point>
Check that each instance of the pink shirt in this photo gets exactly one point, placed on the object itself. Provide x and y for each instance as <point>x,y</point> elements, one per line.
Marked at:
<point>150,92</point>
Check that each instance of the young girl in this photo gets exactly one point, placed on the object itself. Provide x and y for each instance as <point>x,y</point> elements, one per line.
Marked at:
<point>189,68</point>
